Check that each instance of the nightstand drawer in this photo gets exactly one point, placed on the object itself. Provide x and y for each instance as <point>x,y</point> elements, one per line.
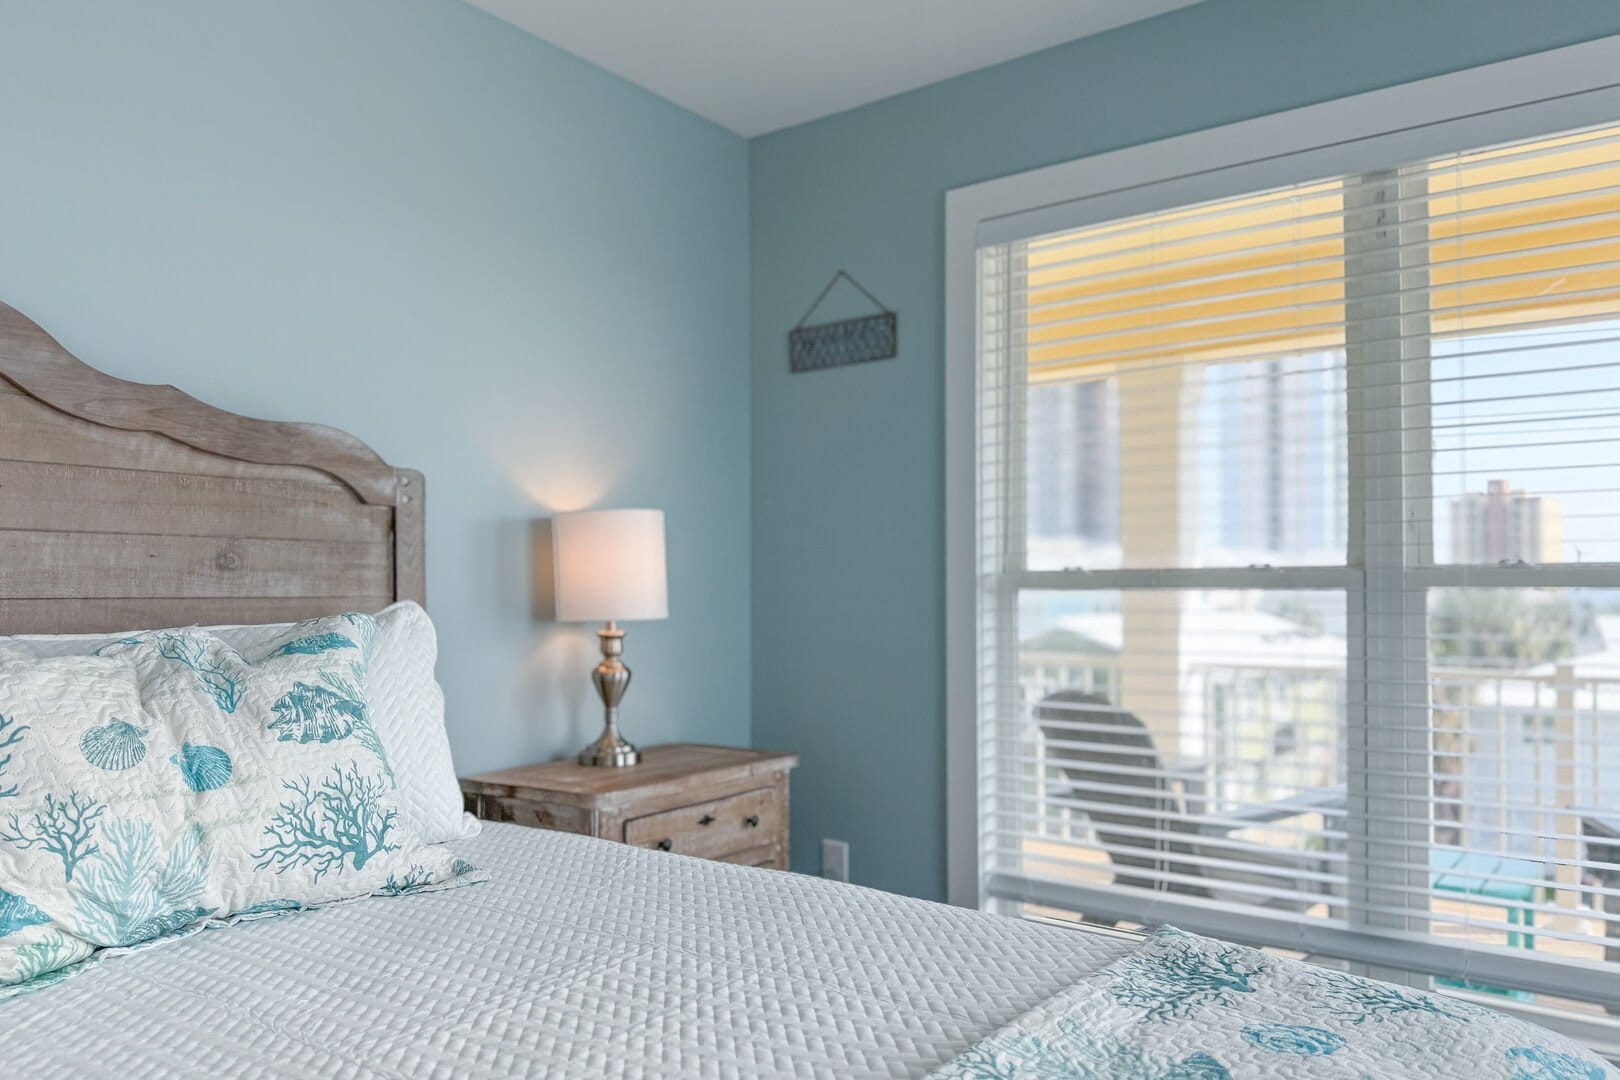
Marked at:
<point>711,829</point>
<point>538,815</point>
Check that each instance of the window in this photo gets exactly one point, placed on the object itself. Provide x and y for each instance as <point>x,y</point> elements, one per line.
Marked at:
<point>1296,578</point>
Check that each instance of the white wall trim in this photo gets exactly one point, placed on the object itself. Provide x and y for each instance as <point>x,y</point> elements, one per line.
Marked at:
<point>1545,92</point>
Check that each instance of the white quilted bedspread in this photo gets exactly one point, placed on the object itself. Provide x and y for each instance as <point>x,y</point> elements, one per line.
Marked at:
<point>580,958</point>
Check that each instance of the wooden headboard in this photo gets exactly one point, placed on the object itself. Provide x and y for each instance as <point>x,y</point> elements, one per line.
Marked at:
<point>125,506</point>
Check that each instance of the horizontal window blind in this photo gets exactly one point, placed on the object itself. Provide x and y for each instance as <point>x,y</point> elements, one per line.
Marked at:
<point>1298,551</point>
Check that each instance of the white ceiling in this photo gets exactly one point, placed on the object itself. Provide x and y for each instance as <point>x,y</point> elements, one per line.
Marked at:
<point>759,65</point>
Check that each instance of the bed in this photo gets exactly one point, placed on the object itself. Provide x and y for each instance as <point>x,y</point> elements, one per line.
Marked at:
<point>125,505</point>
<point>578,957</point>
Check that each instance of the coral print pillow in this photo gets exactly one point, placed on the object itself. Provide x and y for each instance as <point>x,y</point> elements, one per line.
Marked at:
<point>169,782</point>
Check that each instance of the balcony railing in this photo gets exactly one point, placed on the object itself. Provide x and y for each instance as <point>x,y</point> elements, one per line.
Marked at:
<point>1525,767</point>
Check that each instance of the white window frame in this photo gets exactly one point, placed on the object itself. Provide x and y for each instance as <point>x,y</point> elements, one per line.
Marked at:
<point>1535,95</point>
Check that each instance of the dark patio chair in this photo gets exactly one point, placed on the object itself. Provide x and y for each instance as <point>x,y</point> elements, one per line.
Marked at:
<point>1109,761</point>
<point>1600,835</point>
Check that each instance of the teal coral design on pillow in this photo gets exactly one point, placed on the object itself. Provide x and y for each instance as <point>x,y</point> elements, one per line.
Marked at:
<point>66,828</point>
<point>162,788</point>
<point>133,890</point>
<point>349,684</point>
<point>217,669</point>
<point>346,819</point>
<point>115,746</point>
<point>204,768</point>
<point>11,735</point>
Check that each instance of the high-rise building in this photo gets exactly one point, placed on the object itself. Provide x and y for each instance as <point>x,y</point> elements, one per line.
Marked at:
<point>1073,430</point>
<point>1262,462</point>
<point>1501,524</point>
<point>1273,446</point>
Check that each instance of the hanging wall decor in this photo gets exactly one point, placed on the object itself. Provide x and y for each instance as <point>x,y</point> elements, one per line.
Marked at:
<point>847,341</point>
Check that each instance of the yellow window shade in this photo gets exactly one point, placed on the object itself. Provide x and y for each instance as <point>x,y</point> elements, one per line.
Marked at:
<point>1526,235</point>
<point>1520,236</point>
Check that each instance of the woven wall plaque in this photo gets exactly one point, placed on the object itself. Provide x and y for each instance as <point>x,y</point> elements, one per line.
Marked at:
<point>847,341</point>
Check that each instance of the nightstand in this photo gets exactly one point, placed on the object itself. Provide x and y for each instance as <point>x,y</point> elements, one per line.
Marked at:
<point>714,802</point>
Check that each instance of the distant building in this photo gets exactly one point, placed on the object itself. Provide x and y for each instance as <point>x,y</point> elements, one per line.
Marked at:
<point>1503,524</point>
<point>1273,446</point>
<point>1263,449</point>
<point>1073,433</point>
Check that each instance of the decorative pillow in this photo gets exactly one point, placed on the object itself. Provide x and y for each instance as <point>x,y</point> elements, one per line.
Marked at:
<point>49,827</point>
<point>406,707</point>
<point>167,782</point>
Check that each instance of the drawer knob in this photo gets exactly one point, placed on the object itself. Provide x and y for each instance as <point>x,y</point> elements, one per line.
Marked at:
<point>752,821</point>
<point>665,844</point>
<point>706,819</point>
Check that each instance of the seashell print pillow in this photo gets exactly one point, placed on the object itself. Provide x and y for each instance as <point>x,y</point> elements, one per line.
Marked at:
<point>404,698</point>
<point>169,782</point>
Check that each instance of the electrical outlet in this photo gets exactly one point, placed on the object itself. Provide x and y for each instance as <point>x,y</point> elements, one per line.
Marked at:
<point>835,859</point>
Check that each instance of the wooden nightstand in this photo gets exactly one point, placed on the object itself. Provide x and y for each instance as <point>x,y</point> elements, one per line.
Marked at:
<point>714,802</point>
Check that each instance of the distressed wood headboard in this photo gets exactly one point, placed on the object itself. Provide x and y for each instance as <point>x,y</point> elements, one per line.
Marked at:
<point>125,506</point>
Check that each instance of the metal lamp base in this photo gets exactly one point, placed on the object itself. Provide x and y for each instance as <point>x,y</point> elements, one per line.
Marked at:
<point>610,751</point>
<point>612,679</point>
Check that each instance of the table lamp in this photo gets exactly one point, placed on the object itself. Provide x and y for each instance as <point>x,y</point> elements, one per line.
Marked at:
<point>610,568</point>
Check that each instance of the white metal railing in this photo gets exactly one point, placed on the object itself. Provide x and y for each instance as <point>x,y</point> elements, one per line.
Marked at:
<point>1516,752</point>
<point>1226,710</point>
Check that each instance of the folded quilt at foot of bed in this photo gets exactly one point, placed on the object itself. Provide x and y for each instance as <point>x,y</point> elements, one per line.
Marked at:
<point>1184,1007</point>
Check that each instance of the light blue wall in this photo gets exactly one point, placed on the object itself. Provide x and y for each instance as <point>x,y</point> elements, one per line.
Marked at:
<point>848,464</point>
<point>488,259</point>
<point>531,280</point>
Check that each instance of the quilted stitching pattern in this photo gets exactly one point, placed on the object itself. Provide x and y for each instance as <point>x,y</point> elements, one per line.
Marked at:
<point>407,706</point>
<point>578,958</point>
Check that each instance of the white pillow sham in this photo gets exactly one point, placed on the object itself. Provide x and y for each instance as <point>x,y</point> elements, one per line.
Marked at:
<point>170,781</point>
<point>407,707</point>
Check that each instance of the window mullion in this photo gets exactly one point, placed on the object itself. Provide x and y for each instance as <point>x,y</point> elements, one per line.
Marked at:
<point>1387,728</point>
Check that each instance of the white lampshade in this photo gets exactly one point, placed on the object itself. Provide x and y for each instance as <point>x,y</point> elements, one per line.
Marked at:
<point>610,565</point>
